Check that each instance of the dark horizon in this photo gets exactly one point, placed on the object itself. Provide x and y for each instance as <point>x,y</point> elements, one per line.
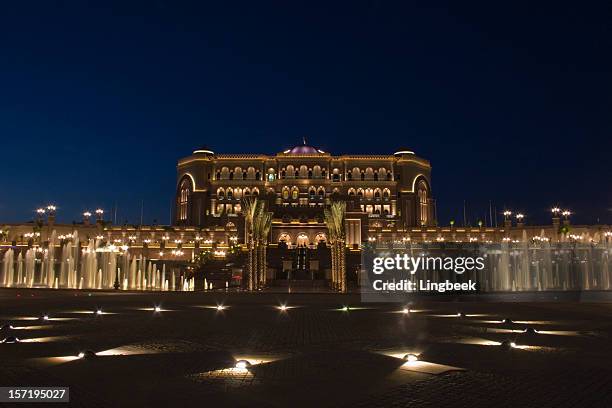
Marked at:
<point>510,105</point>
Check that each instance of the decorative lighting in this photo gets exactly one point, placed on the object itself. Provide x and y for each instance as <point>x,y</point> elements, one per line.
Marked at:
<point>86,214</point>
<point>86,354</point>
<point>566,213</point>
<point>98,312</point>
<point>507,344</point>
<point>51,208</point>
<point>411,358</point>
<point>282,308</point>
<point>406,311</point>
<point>40,211</point>
<point>520,216</point>
<point>555,211</point>
<point>461,315</point>
<point>220,308</point>
<point>10,340</point>
<point>44,317</point>
<point>507,213</point>
<point>157,309</point>
<point>345,308</point>
<point>507,320</point>
<point>530,330</point>
<point>242,364</point>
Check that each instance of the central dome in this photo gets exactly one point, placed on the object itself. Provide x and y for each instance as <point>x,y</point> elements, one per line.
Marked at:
<point>303,149</point>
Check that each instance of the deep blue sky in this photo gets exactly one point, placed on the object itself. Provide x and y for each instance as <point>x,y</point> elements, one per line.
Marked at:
<point>511,102</point>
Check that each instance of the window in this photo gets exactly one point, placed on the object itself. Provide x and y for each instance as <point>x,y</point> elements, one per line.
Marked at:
<point>185,191</point>
<point>423,204</point>
<point>285,193</point>
<point>295,194</point>
<point>321,193</point>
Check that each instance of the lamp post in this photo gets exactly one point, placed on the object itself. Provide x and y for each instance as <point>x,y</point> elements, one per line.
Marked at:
<point>519,220</point>
<point>566,214</point>
<point>507,219</point>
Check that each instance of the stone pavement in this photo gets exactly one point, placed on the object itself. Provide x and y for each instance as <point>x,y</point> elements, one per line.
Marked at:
<point>312,354</point>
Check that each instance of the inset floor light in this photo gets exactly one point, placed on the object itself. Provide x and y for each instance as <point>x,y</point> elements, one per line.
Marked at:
<point>345,308</point>
<point>507,320</point>
<point>157,309</point>
<point>406,311</point>
<point>220,308</point>
<point>461,315</point>
<point>10,340</point>
<point>242,364</point>
<point>508,345</point>
<point>98,312</point>
<point>282,308</point>
<point>411,358</point>
<point>530,330</point>
<point>6,326</point>
<point>87,354</point>
<point>44,317</point>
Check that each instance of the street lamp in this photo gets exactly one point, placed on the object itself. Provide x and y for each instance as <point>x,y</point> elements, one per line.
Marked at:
<point>555,211</point>
<point>566,213</point>
<point>519,217</point>
<point>507,214</point>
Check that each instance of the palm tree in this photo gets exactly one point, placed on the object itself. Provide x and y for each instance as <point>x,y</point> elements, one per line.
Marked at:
<point>257,223</point>
<point>334,219</point>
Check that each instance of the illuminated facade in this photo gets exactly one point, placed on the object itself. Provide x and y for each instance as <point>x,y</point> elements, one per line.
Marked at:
<point>381,191</point>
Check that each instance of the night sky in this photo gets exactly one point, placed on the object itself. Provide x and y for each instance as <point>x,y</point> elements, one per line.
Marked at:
<point>510,102</point>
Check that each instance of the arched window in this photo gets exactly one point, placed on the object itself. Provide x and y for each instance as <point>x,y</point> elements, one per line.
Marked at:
<point>220,194</point>
<point>247,192</point>
<point>316,171</point>
<point>377,193</point>
<point>295,193</point>
<point>184,193</point>
<point>255,192</point>
<point>303,172</point>
<point>349,176</point>
<point>285,193</point>
<point>386,193</point>
<point>230,194</point>
<point>351,191</point>
<point>422,195</point>
<point>311,193</point>
<point>360,193</point>
<point>321,193</point>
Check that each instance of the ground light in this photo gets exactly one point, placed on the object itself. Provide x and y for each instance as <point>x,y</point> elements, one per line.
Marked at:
<point>507,320</point>
<point>44,317</point>
<point>406,311</point>
<point>98,312</point>
<point>7,326</point>
<point>508,345</point>
<point>86,354</point>
<point>461,315</point>
<point>530,330</point>
<point>157,309</point>
<point>411,358</point>
<point>242,364</point>
<point>220,308</point>
<point>345,308</point>
<point>10,340</point>
<point>282,308</point>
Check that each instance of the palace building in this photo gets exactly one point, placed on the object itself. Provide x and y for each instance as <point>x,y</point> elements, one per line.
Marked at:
<point>381,191</point>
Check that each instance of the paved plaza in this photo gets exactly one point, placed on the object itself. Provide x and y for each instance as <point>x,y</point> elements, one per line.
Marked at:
<point>313,353</point>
